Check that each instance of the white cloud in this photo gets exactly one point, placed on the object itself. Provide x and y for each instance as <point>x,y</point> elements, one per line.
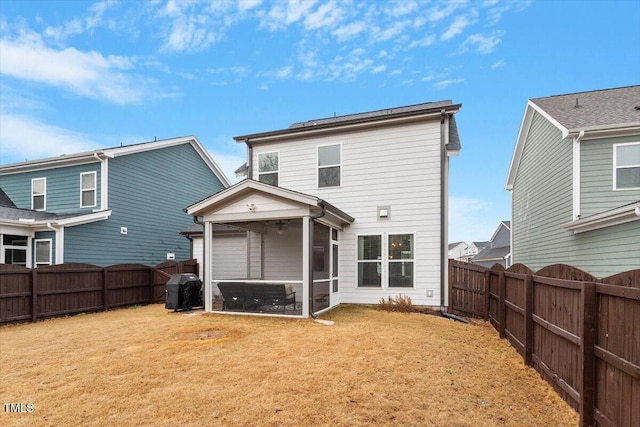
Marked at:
<point>88,74</point>
<point>457,26</point>
<point>327,15</point>
<point>25,138</point>
<point>245,5</point>
<point>446,83</point>
<point>349,31</point>
<point>396,29</point>
<point>379,69</point>
<point>498,64</point>
<point>482,44</point>
<point>401,8</point>
<point>423,42</point>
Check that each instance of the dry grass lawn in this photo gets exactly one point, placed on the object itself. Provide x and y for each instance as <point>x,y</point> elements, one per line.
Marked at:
<point>148,366</point>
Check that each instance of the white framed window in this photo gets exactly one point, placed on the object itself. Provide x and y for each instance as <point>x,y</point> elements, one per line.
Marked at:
<point>400,258</point>
<point>329,165</point>
<point>626,166</point>
<point>88,189</point>
<point>370,261</point>
<point>39,194</point>
<point>386,261</point>
<point>42,251</point>
<point>268,168</point>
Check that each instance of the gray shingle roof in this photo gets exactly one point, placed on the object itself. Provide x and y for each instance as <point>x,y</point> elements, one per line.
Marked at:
<point>15,214</point>
<point>607,107</point>
<point>349,119</point>
<point>372,114</point>
<point>492,253</point>
<point>5,200</point>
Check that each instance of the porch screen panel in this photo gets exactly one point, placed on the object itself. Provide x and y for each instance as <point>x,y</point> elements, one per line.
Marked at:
<point>321,265</point>
<point>370,261</point>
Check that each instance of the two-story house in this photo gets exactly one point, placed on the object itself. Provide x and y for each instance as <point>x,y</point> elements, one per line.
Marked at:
<point>117,205</point>
<point>347,209</point>
<point>575,182</point>
<point>498,249</point>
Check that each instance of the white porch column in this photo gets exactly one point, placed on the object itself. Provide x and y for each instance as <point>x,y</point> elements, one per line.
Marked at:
<point>306,286</point>
<point>206,258</point>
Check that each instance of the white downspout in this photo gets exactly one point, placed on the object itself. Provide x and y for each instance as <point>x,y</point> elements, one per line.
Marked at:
<point>59,242</point>
<point>576,175</point>
<point>104,182</point>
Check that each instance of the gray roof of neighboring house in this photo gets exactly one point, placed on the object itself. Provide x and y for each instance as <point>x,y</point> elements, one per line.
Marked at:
<point>605,107</point>
<point>492,253</point>
<point>16,214</point>
<point>454,244</point>
<point>5,200</point>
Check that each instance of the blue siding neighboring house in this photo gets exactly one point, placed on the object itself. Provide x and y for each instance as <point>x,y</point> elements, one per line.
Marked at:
<point>111,206</point>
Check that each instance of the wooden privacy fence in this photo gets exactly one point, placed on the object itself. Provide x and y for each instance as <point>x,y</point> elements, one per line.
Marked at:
<point>582,334</point>
<point>31,294</point>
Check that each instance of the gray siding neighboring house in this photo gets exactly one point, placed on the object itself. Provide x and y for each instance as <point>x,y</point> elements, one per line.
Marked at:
<point>575,182</point>
<point>498,249</point>
<point>111,206</point>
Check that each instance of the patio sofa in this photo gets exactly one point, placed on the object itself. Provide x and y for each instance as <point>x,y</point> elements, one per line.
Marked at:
<point>251,295</point>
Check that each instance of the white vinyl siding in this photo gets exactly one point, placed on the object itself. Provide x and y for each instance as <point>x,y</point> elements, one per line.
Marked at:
<point>395,166</point>
<point>39,194</point>
<point>626,166</point>
<point>88,191</point>
<point>42,252</point>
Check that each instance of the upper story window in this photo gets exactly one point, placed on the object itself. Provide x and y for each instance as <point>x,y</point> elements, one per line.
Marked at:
<point>626,166</point>
<point>87,189</point>
<point>329,165</point>
<point>39,194</point>
<point>268,168</point>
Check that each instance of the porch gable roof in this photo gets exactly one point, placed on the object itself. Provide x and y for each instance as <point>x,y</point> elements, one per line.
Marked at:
<point>249,186</point>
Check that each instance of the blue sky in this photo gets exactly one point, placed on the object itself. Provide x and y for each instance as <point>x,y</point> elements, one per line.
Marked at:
<point>77,76</point>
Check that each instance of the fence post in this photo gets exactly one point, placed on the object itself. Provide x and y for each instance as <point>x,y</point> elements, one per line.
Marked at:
<point>152,287</point>
<point>487,292</point>
<point>502,307</point>
<point>528,320</point>
<point>587,353</point>
<point>105,289</point>
<point>34,295</point>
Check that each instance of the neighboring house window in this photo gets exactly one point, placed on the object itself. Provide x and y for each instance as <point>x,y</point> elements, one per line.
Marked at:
<point>626,166</point>
<point>401,260</point>
<point>329,165</point>
<point>268,168</point>
<point>39,194</point>
<point>43,251</point>
<point>87,189</point>
<point>370,261</point>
